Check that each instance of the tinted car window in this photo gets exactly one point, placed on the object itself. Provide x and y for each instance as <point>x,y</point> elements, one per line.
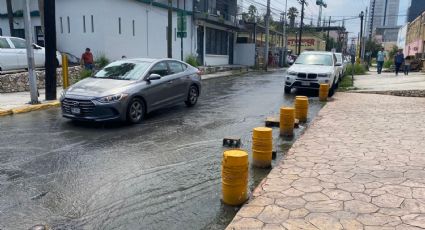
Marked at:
<point>122,70</point>
<point>18,43</point>
<point>161,69</point>
<point>315,59</point>
<point>4,44</point>
<point>175,67</point>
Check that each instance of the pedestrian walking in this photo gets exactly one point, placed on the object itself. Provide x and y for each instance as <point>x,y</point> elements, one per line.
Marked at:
<point>398,61</point>
<point>407,63</point>
<point>87,60</point>
<point>380,59</point>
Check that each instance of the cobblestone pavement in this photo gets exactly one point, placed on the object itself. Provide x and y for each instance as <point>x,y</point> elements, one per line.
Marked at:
<point>360,165</point>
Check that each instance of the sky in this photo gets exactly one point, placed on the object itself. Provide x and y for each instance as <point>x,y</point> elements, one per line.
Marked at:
<point>337,9</point>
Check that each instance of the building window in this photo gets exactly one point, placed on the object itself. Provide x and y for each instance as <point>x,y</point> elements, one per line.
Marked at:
<point>69,25</point>
<point>84,24</point>
<point>134,29</point>
<point>119,25</point>
<point>217,42</point>
<point>92,24</point>
<point>61,24</point>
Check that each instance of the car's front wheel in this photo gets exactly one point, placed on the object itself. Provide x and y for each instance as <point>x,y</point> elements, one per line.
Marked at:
<point>332,90</point>
<point>135,111</point>
<point>192,96</point>
<point>287,89</point>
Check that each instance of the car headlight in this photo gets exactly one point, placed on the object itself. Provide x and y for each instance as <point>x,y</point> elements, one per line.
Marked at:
<point>325,75</point>
<point>291,73</point>
<point>112,98</point>
<point>62,95</point>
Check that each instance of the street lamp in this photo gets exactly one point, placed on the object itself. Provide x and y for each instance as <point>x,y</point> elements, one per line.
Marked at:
<point>321,4</point>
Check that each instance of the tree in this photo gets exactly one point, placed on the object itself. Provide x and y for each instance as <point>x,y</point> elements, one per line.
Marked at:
<point>10,16</point>
<point>252,13</point>
<point>292,14</point>
<point>373,47</point>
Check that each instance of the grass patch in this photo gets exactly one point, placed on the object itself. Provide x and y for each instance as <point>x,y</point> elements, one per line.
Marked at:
<point>346,84</point>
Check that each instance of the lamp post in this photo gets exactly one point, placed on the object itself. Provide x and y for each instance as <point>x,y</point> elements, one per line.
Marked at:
<point>321,4</point>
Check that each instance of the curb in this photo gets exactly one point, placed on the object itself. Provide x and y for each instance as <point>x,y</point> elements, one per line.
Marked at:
<point>29,108</point>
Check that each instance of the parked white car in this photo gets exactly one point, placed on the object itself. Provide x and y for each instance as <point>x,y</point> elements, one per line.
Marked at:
<point>311,69</point>
<point>13,54</point>
<point>340,60</point>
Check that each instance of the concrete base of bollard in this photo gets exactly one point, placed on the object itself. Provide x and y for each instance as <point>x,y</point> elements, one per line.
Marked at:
<point>275,122</point>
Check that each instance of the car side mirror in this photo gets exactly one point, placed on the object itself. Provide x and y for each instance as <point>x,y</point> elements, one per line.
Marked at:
<point>153,77</point>
<point>35,47</point>
<point>338,64</point>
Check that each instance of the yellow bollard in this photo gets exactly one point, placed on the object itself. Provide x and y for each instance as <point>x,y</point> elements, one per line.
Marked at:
<point>262,147</point>
<point>301,108</point>
<point>287,120</point>
<point>323,92</point>
<point>234,177</point>
<point>65,72</point>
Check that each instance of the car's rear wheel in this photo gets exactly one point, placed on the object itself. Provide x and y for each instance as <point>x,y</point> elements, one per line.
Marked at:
<point>287,89</point>
<point>135,111</point>
<point>192,96</point>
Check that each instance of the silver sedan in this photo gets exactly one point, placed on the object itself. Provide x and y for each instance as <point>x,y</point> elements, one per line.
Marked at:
<point>127,90</point>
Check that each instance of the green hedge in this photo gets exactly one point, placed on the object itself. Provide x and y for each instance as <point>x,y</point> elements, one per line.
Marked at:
<point>388,63</point>
<point>358,69</point>
<point>192,60</point>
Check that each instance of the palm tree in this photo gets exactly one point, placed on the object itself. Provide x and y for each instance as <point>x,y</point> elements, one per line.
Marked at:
<point>10,15</point>
<point>252,13</point>
<point>292,14</point>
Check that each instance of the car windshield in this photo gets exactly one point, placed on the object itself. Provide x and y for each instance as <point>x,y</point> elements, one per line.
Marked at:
<point>314,59</point>
<point>123,70</point>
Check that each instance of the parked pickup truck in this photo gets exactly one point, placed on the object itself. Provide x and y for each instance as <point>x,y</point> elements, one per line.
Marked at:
<point>311,69</point>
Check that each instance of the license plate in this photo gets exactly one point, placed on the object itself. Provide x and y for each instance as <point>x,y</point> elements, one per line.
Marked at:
<point>305,83</point>
<point>75,110</point>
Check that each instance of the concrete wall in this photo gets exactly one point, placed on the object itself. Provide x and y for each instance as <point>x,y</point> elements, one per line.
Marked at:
<point>414,47</point>
<point>148,40</point>
<point>244,54</point>
<point>212,60</point>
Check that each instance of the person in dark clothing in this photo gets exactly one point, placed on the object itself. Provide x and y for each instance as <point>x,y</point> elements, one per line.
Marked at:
<point>407,63</point>
<point>398,61</point>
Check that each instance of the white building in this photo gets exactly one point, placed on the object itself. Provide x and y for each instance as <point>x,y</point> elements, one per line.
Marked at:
<point>137,28</point>
<point>116,28</point>
<point>18,20</point>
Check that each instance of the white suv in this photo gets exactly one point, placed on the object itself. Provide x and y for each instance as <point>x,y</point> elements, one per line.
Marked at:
<point>311,69</point>
<point>13,54</point>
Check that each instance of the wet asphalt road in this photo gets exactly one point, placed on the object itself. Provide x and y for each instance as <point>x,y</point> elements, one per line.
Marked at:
<point>161,174</point>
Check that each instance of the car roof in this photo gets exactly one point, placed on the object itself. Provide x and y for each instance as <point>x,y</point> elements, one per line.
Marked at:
<point>317,52</point>
<point>9,37</point>
<point>149,60</point>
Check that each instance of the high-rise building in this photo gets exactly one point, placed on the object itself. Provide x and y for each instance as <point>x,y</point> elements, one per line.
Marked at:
<point>383,13</point>
<point>415,9</point>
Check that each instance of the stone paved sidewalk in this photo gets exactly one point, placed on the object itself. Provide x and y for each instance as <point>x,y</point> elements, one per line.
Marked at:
<point>360,165</point>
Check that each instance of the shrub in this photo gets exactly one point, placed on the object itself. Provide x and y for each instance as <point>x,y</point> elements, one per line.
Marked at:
<point>358,69</point>
<point>102,61</point>
<point>192,60</point>
<point>84,74</point>
<point>388,63</point>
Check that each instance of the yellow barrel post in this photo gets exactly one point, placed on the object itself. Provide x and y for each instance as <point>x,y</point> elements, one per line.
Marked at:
<point>301,108</point>
<point>323,92</point>
<point>262,147</point>
<point>234,177</point>
<point>65,71</point>
<point>287,120</point>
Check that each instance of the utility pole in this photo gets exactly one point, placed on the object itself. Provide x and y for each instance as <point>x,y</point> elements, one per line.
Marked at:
<point>363,37</point>
<point>10,16</point>
<point>170,30</point>
<point>361,33</point>
<point>328,45</point>
<point>372,15</point>
<point>303,2</point>
<point>50,48</point>
<point>266,50</point>
<point>30,53</point>
<point>285,38</point>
